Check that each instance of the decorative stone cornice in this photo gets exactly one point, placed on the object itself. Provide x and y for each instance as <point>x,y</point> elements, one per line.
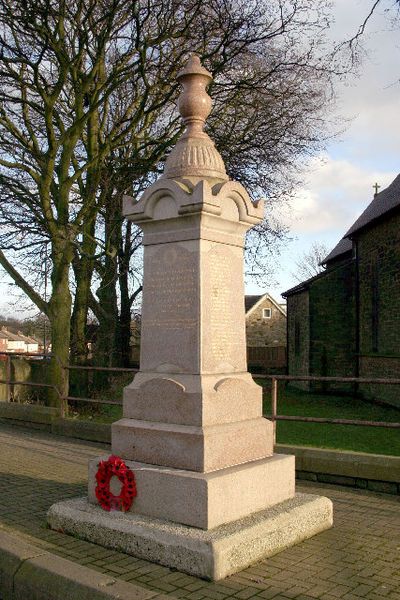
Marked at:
<point>184,198</point>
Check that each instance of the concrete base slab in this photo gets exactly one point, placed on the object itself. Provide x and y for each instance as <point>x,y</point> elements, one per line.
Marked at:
<point>212,554</point>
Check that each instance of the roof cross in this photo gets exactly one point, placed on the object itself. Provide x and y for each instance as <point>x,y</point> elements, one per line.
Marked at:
<point>376,187</point>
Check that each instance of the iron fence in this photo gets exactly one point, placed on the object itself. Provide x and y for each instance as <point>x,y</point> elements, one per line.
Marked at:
<point>274,416</point>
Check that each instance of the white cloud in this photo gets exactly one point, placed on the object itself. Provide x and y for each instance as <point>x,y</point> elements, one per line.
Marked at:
<point>372,98</point>
<point>339,184</point>
<point>337,191</point>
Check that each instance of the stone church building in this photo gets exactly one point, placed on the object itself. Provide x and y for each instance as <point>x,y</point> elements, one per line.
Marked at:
<point>345,321</point>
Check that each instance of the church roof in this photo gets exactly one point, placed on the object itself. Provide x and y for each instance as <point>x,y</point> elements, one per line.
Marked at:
<point>303,286</point>
<point>385,201</point>
<point>345,245</point>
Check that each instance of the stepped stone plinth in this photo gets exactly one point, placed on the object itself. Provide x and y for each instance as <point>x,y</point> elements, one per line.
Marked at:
<point>192,429</point>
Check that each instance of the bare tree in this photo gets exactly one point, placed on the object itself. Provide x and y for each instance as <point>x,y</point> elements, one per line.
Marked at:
<point>353,46</point>
<point>309,264</point>
<point>87,112</point>
<point>269,116</point>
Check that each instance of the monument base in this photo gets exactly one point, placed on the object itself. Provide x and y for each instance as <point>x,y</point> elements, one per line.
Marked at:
<point>212,554</point>
<point>207,500</point>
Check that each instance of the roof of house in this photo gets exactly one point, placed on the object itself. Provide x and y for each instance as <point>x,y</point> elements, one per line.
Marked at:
<point>343,247</point>
<point>251,301</point>
<point>385,201</point>
<point>13,337</point>
<point>27,338</point>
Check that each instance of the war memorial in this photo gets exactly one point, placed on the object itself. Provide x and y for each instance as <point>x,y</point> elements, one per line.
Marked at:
<point>193,482</point>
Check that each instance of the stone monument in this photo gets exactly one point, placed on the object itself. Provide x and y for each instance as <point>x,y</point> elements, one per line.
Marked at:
<point>212,497</point>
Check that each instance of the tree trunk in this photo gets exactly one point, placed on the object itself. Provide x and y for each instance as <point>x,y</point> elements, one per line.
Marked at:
<point>105,351</point>
<point>104,355</point>
<point>60,319</point>
<point>83,270</point>
<point>79,380</point>
<point>124,324</point>
<point>105,348</point>
<point>126,250</point>
<point>79,320</point>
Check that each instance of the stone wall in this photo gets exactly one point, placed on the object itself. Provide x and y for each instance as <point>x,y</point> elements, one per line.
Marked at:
<point>333,326</point>
<point>299,337</point>
<point>379,260</point>
<point>23,369</point>
<point>333,317</point>
<point>386,367</point>
<point>265,331</point>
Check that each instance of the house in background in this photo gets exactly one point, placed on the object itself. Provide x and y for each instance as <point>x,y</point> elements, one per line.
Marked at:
<point>18,342</point>
<point>345,322</point>
<point>3,342</point>
<point>14,342</point>
<point>265,332</point>
<point>31,344</point>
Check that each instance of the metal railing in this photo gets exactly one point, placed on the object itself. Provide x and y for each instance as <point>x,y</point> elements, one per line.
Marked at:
<point>274,416</point>
<point>63,399</point>
<point>66,399</point>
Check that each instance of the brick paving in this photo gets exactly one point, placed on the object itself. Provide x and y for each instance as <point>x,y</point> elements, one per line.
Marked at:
<point>359,558</point>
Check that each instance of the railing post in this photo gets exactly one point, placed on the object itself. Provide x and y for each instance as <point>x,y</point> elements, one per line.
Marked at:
<point>8,377</point>
<point>63,407</point>
<point>63,399</point>
<point>274,405</point>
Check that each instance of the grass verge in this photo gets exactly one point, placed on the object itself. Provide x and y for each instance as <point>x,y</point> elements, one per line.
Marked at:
<point>374,440</point>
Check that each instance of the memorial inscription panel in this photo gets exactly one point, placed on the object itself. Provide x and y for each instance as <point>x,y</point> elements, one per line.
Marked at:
<point>170,319</point>
<point>223,333</point>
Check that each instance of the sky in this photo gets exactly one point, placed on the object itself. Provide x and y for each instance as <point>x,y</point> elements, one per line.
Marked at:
<point>338,183</point>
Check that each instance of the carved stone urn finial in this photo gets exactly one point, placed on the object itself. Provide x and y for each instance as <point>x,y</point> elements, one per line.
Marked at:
<point>195,154</point>
<point>194,103</point>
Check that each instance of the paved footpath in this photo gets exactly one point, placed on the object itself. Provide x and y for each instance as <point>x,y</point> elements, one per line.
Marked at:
<point>358,558</point>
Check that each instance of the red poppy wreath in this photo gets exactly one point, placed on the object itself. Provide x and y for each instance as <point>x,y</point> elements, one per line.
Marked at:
<point>115,466</point>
